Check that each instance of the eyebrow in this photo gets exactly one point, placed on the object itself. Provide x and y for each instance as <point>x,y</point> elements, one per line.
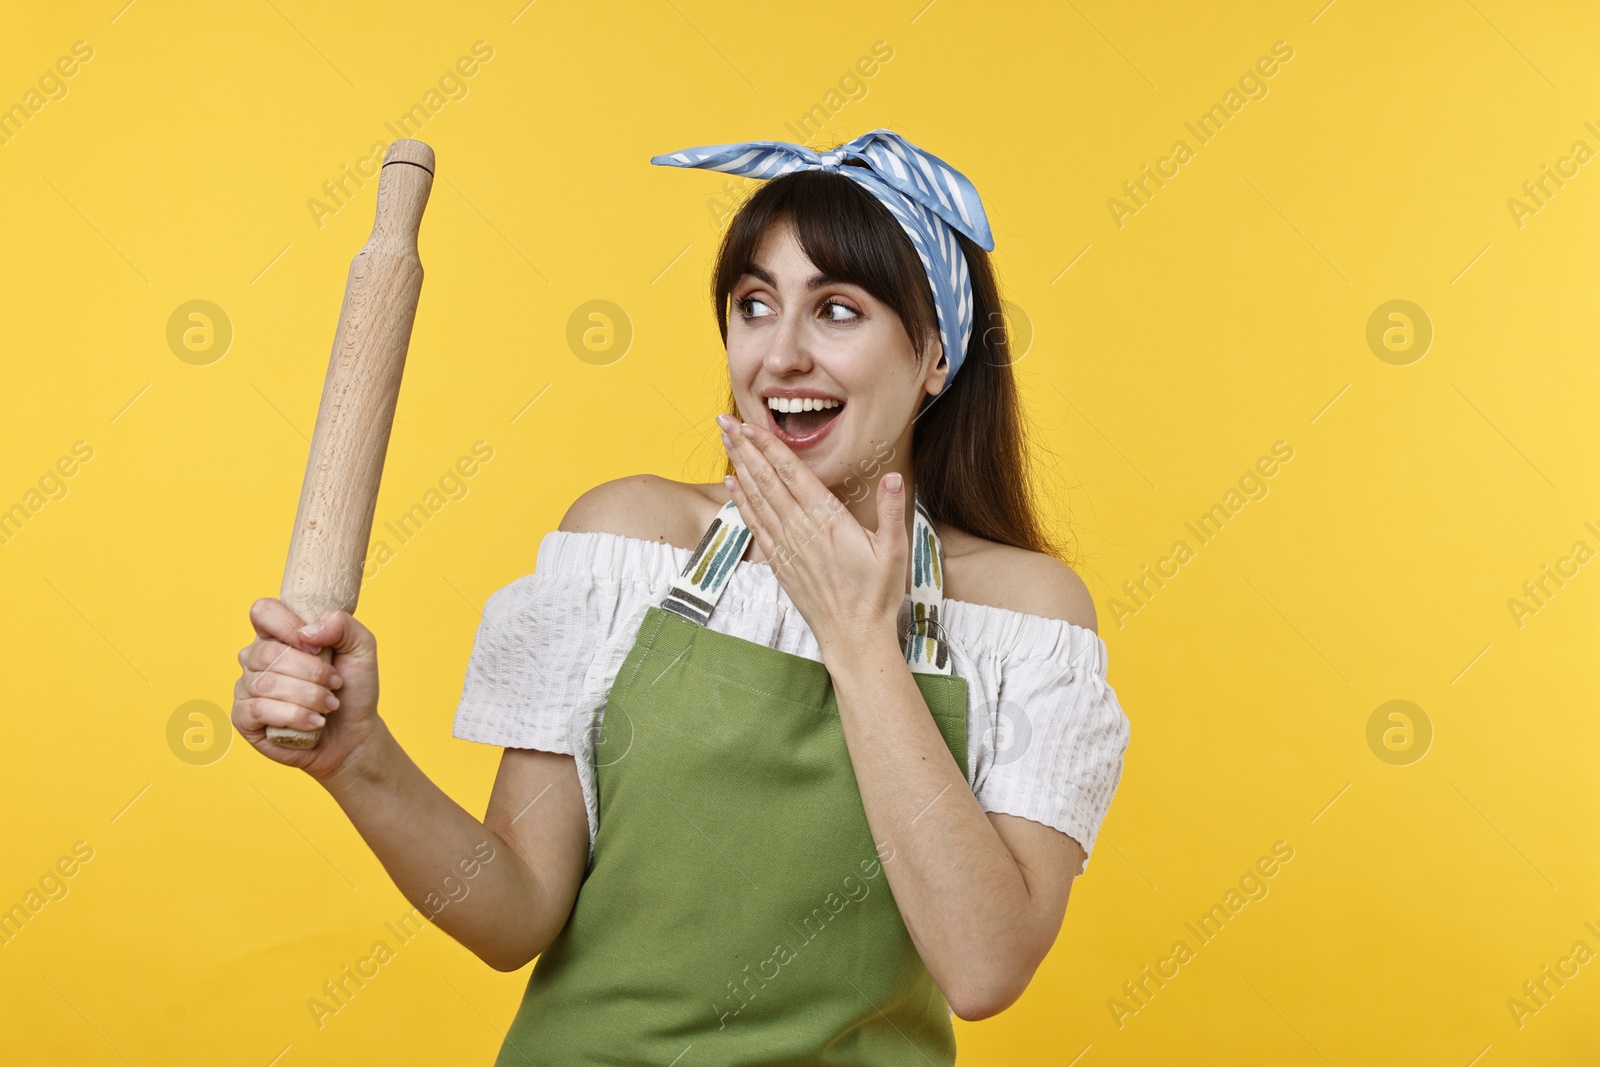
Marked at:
<point>816,281</point>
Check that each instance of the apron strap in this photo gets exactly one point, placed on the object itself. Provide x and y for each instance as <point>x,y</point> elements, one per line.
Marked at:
<point>927,649</point>
<point>697,589</point>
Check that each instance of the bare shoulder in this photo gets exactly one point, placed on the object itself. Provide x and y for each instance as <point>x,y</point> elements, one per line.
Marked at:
<point>980,571</point>
<point>643,506</point>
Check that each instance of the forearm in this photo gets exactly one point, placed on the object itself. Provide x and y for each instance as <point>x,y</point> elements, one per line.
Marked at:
<point>428,843</point>
<point>962,896</point>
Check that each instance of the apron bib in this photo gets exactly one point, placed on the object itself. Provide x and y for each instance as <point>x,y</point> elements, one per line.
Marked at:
<point>736,910</point>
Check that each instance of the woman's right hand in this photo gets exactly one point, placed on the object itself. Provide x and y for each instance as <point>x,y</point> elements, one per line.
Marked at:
<point>285,682</point>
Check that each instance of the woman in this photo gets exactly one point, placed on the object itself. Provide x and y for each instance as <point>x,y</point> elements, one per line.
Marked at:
<point>799,764</point>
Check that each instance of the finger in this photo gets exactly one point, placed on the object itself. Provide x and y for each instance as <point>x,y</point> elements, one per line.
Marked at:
<point>747,511</point>
<point>891,507</point>
<point>308,695</point>
<point>257,713</point>
<point>765,527</point>
<point>806,488</point>
<point>268,655</point>
<point>273,618</point>
<point>781,526</point>
<point>815,507</point>
<point>749,491</point>
<point>765,486</point>
<point>338,630</point>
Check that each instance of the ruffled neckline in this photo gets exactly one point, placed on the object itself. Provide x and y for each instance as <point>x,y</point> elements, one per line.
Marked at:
<point>1012,635</point>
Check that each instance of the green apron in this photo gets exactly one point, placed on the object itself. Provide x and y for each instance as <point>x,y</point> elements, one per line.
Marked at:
<point>736,910</point>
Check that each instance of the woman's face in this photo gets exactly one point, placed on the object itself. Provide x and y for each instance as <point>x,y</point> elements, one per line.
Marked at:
<point>792,334</point>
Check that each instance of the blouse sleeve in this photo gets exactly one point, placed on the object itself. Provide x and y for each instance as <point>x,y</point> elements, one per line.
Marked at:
<point>546,650</point>
<point>528,666</point>
<point>1058,735</point>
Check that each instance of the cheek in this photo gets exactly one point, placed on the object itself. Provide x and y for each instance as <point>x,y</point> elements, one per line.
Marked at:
<point>744,362</point>
<point>873,363</point>
<point>744,366</point>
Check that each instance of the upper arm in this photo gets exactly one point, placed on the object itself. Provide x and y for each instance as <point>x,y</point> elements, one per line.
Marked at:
<point>537,808</point>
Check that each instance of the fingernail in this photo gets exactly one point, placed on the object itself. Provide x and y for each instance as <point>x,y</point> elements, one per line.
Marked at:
<point>311,630</point>
<point>725,421</point>
<point>727,442</point>
<point>317,720</point>
<point>336,681</point>
<point>332,702</point>
<point>749,430</point>
<point>892,481</point>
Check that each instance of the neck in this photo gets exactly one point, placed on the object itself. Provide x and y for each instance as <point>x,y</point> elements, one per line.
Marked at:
<point>860,495</point>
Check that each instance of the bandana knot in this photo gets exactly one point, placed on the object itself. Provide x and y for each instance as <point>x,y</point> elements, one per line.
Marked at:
<point>932,201</point>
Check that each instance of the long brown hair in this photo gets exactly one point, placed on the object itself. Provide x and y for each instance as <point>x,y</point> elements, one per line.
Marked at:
<point>969,446</point>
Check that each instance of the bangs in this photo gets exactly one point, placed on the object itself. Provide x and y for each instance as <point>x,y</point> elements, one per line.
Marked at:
<point>845,232</point>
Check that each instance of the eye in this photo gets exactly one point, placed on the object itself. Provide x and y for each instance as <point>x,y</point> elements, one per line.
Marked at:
<point>853,313</point>
<point>745,303</point>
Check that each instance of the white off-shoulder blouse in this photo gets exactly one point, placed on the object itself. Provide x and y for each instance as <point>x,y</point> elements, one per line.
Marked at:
<point>1045,734</point>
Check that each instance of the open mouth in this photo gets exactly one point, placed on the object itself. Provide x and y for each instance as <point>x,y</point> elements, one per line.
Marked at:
<point>800,419</point>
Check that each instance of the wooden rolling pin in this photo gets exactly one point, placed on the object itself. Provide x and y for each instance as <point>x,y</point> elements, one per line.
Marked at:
<point>340,493</point>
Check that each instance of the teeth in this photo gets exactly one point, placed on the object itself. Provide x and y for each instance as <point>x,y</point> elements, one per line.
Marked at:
<point>779,403</point>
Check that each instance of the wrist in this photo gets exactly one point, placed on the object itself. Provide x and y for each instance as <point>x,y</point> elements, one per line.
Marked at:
<point>867,648</point>
<point>371,763</point>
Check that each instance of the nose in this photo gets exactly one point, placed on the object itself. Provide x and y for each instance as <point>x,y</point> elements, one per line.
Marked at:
<point>790,349</point>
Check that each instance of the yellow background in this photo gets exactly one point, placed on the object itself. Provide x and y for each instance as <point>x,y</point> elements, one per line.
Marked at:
<point>1229,313</point>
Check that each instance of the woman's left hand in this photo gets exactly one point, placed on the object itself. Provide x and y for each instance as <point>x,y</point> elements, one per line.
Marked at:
<point>847,581</point>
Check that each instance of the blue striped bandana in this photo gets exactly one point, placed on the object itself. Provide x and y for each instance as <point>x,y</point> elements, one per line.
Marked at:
<point>931,200</point>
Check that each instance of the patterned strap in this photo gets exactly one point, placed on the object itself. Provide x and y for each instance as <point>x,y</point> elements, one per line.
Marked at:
<point>927,650</point>
<point>697,589</point>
